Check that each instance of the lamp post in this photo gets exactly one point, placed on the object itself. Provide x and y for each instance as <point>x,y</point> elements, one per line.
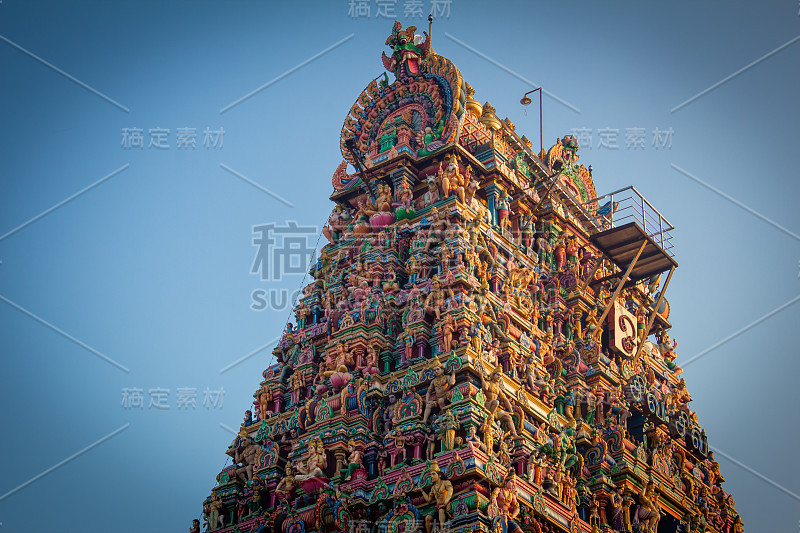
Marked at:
<point>527,101</point>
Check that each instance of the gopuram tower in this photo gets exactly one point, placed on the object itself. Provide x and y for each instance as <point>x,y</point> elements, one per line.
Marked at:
<point>485,344</point>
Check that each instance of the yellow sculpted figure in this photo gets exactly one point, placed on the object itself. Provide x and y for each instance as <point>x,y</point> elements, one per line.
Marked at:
<point>441,492</point>
<point>494,395</point>
<point>438,389</point>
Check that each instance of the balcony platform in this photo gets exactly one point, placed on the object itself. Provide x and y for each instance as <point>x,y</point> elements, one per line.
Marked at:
<point>620,244</point>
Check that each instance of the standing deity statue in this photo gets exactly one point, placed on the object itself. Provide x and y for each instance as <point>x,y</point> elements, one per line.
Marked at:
<point>494,396</point>
<point>213,511</point>
<point>440,492</point>
<point>446,329</point>
<point>448,426</point>
<point>438,390</point>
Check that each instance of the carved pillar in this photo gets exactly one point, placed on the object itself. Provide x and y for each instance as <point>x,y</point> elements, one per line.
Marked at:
<point>559,322</point>
<point>420,346</point>
<point>340,455</point>
<point>386,357</point>
<point>515,229</point>
<point>359,357</point>
<point>493,193</point>
<point>521,466</point>
<point>418,440</point>
<point>602,503</point>
<point>273,498</point>
<point>371,457</point>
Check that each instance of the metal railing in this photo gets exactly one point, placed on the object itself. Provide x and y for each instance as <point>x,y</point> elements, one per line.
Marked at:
<point>628,205</point>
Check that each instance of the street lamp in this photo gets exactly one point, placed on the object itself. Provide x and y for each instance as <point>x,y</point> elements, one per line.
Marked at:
<point>527,101</point>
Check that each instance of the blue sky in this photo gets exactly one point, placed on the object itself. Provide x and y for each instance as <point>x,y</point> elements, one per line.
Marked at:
<point>151,267</point>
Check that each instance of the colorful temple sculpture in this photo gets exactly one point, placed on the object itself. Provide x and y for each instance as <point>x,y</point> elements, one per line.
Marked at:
<point>484,345</point>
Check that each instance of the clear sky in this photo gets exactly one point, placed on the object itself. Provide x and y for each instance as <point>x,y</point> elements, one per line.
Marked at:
<point>149,270</point>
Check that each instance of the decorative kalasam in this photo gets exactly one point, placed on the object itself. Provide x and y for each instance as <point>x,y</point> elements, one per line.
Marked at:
<point>468,357</point>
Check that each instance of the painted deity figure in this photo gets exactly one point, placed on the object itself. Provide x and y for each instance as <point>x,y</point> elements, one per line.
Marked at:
<point>430,443</point>
<point>438,390</point>
<point>441,493</point>
<point>447,328</point>
<point>431,196</point>
<point>450,180</point>
<point>668,351</point>
<point>384,198</point>
<point>527,229</point>
<point>413,269</point>
<point>398,442</point>
<point>444,258</point>
<point>504,453</point>
<point>560,254</point>
<point>504,211</point>
<point>489,432</point>
<point>302,312</point>
<point>287,485</point>
<point>213,512</point>
<point>616,500</point>
<point>404,195</point>
<point>544,248</point>
<point>316,462</point>
<point>471,188</point>
<point>406,340</point>
<point>494,396</point>
<point>449,425</point>
<point>475,333</point>
<point>572,248</point>
<point>390,283</point>
<point>439,226</point>
<point>491,353</point>
<point>265,397</point>
<point>533,379</point>
<point>592,331</point>
<point>337,223</point>
<point>298,385</point>
<point>371,363</point>
<point>648,511</point>
<point>435,302</point>
<point>567,453</point>
<point>244,452</point>
<point>339,360</point>
<point>443,179</point>
<point>473,440</point>
<point>354,460</point>
<point>505,501</point>
<point>383,453</point>
<point>536,465</point>
<point>366,208</point>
